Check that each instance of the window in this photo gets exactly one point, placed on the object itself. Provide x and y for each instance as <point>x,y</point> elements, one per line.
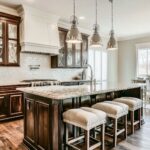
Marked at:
<point>98,60</point>
<point>143,60</point>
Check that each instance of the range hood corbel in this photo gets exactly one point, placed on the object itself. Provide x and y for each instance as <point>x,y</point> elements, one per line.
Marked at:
<point>39,31</point>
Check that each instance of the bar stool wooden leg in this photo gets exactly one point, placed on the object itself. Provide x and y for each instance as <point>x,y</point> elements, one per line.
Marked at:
<point>102,136</point>
<point>132,121</point>
<point>66,136</point>
<point>115,133</point>
<point>87,140</point>
<point>139,117</point>
<point>125,126</point>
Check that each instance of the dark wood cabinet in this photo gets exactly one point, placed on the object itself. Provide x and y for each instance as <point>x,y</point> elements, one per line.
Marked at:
<point>9,40</point>
<point>43,124</point>
<point>11,103</point>
<point>3,105</point>
<point>70,55</point>
<point>29,117</point>
<point>37,123</point>
<point>16,106</point>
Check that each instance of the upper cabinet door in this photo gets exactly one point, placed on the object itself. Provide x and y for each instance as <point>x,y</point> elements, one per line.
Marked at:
<point>1,42</point>
<point>62,50</point>
<point>13,43</point>
<point>78,50</point>
<point>9,40</point>
<point>70,55</point>
<point>84,51</point>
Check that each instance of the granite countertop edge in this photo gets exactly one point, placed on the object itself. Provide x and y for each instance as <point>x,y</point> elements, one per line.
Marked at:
<point>66,92</point>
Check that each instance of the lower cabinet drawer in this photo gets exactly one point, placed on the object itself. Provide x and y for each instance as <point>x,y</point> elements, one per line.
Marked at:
<point>16,104</point>
<point>3,106</point>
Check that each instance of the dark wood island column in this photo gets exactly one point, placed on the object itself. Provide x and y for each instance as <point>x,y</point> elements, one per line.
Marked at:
<point>42,123</point>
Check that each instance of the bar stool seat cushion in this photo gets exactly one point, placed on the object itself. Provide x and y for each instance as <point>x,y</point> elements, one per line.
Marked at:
<point>86,118</point>
<point>113,109</point>
<point>133,103</point>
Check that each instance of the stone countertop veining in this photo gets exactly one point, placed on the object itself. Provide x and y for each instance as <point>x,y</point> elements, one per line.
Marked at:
<point>65,92</point>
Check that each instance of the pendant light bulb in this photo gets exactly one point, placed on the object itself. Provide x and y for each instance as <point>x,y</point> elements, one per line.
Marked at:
<point>96,40</point>
<point>112,43</point>
<point>73,35</point>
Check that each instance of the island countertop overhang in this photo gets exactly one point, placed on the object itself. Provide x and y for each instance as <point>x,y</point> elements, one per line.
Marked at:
<point>66,92</point>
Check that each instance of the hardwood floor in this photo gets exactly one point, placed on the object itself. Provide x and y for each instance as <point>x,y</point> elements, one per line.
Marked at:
<point>11,136</point>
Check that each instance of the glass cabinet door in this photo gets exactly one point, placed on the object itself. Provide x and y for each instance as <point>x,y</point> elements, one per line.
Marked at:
<point>69,55</point>
<point>84,52</point>
<point>61,56</point>
<point>1,42</point>
<point>78,55</point>
<point>12,43</point>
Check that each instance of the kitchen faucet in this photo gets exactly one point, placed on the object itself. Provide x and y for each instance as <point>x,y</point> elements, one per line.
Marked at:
<point>91,71</point>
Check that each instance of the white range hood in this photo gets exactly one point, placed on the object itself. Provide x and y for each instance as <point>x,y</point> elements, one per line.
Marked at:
<point>39,31</point>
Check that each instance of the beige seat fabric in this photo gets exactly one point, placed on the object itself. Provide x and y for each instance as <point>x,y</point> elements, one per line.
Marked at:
<point>133,103</point>
<point>113,109</point>
<point>86,118</point>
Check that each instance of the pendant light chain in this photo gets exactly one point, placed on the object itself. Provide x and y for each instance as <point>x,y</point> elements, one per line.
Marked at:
<point>74,8</point>
<point>112,13</point>
<point>96,12</point>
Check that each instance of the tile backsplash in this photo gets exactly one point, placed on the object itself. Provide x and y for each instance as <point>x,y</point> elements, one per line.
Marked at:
<point>44,72</point>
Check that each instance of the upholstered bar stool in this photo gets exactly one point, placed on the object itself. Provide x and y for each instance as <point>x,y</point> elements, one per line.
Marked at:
<point>134,104</point>
<point>85,118</point>
<point>114,111</point>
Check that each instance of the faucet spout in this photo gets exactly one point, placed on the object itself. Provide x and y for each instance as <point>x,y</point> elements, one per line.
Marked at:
<point>91,72</point>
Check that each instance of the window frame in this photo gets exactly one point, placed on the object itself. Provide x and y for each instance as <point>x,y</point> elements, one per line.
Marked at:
<point>141,46</point>
<point>101,62</point>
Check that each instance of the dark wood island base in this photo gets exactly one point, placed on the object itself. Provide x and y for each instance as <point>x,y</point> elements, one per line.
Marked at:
<point>43,125</point>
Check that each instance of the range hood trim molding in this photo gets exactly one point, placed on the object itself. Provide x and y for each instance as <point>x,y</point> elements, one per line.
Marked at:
<point>39,48</point>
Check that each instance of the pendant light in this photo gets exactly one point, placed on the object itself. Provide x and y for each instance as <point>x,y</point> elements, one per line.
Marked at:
<point>112,43</point>
<point>73,35</point>
<point>96,40</point>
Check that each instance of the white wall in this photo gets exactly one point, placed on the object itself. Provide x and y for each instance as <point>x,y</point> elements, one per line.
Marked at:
<point>127,58</point>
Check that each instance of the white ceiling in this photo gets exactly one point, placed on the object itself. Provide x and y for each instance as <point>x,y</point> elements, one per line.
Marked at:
<point>132,17</point>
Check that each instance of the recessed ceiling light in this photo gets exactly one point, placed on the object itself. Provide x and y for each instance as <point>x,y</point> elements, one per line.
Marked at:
<point>81,17</point>
<point>30,1</point>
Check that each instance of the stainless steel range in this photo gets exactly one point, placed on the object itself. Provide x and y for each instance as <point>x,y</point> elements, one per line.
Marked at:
<point>42,82</point>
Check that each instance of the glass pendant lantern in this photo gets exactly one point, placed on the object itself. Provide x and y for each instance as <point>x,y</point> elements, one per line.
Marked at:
<point>112,43</point>
<point>73,35</point>
<point>96,40</point>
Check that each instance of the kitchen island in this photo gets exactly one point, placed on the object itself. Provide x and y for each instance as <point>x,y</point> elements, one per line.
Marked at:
<point>43,108</point>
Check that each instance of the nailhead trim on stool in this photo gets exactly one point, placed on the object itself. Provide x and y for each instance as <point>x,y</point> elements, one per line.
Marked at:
<point>114,111</point>
<point>87,119</point>
<point>134,104</point>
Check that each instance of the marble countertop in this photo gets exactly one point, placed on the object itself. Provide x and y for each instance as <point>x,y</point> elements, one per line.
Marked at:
<point>65,92</point>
